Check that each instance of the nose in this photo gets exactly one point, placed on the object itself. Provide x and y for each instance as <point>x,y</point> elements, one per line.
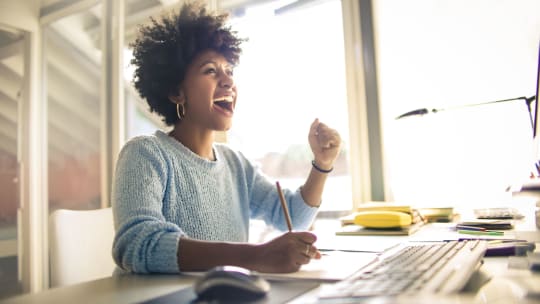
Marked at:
<point>226,80</point>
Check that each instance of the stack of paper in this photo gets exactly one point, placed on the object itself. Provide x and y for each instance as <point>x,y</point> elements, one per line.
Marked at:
<point>438,215</point>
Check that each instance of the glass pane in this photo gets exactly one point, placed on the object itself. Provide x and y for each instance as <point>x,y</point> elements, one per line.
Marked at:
<point>73,56</point>
<point>11,83</point>
<point>139,119</point>
<point>292,71</point>
<point>453,53</point>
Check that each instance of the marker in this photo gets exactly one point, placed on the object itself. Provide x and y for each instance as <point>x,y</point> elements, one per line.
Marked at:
<point>486,232</point>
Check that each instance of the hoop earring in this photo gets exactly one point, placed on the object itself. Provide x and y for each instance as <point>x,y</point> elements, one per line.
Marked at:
<point>180,113</point>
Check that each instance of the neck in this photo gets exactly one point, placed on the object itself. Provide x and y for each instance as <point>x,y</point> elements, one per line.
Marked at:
<point>198,141</point>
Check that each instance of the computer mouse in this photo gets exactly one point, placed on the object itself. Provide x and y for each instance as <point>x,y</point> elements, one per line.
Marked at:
<point>231,283</point>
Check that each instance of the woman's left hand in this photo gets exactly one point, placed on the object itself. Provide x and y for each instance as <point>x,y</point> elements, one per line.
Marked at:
<point>325,143</point>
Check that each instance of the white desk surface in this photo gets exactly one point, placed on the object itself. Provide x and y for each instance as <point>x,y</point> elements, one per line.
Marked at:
<point>505,283</point>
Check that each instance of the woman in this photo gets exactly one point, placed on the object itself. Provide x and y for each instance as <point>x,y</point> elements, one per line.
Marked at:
<point>181,201</point>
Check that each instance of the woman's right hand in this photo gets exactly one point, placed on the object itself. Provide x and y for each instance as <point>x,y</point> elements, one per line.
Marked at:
<point>286,253</point>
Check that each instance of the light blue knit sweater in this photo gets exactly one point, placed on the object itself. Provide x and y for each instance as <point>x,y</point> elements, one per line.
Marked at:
<point>162,191</point>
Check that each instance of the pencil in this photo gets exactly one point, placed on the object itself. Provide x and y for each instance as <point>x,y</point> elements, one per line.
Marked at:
<point>284,206</point>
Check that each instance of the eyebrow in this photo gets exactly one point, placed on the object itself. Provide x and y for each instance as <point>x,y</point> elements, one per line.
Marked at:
<point>229,65</point>
<point>206,62</point>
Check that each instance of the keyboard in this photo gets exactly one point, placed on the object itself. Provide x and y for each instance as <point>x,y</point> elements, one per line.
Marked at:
<point>412,268</point>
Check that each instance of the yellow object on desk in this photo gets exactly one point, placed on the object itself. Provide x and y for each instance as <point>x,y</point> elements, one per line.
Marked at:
<point>382,219</point>
<point>379,207</point>
<point>387,206</point>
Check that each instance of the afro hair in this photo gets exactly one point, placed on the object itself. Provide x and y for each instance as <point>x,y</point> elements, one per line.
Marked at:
<point>164,49</point>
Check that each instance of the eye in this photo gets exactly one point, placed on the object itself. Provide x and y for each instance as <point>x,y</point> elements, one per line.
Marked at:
<point>210,70</point>
<point>229,72</point>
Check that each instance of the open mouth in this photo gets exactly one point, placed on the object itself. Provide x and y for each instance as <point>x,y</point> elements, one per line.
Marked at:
<point>225,104</point>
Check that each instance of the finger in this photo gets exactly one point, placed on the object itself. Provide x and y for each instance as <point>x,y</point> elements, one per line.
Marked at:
<point>314,128</point>
<point>304,259</point>
<point>293,268</point>
<point>306,237</point>
<point>322,127</point>
<point>329,138</point>
<point>327,133</point>
<point>308,250</point>
<point>315,253</point>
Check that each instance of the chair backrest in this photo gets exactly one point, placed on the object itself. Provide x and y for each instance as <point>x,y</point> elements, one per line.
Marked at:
<point>80,243</point>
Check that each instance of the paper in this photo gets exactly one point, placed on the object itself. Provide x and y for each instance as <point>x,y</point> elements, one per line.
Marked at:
<point>328,240</point>
<point>359,230</point>
<point>360,243</point>
<point>333,266</point>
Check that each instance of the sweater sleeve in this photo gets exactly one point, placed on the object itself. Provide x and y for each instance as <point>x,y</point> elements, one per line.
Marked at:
<point>265,203</point>
<point>144,242</point>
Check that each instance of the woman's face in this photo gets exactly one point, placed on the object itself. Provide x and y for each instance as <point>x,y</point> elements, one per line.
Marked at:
<point>209,92</point>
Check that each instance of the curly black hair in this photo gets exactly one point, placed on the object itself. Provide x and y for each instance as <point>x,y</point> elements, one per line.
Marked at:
<point>164,49</point>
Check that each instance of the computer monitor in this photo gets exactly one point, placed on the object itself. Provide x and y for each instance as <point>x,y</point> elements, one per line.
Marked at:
<point>536,132</point>
<point>533,184</point>
<point>536,124</point>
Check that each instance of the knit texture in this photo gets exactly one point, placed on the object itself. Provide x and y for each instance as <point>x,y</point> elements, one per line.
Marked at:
<point>163,191</point>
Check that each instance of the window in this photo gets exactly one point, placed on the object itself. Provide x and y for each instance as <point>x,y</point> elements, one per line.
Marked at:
<point>73,69</point>
<point>444,54</point>
<point>139,119</point>
<point>292,71</point>
<point>12,81</point>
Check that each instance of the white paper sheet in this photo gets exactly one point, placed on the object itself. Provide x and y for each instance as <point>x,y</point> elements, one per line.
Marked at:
<point>333,266</point>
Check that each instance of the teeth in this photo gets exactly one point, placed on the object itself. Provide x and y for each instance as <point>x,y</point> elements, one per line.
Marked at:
<point>224,99</point>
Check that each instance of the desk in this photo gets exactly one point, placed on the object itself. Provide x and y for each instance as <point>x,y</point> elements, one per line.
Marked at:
<point>140,288</point>
<point>118,290</point>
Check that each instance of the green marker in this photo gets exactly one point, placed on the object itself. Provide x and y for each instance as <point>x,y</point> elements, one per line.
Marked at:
<point>486,232</point>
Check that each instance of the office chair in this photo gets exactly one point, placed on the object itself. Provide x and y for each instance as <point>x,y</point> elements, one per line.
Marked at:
<point>80,243</point>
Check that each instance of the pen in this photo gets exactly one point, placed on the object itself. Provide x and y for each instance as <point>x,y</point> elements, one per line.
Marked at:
<point>489,239</point>
<point>486,232</point>
<point>472,228</point>
<point>284,206</point>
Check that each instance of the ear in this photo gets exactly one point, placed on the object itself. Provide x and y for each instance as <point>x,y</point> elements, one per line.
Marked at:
<point>179,98</point>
